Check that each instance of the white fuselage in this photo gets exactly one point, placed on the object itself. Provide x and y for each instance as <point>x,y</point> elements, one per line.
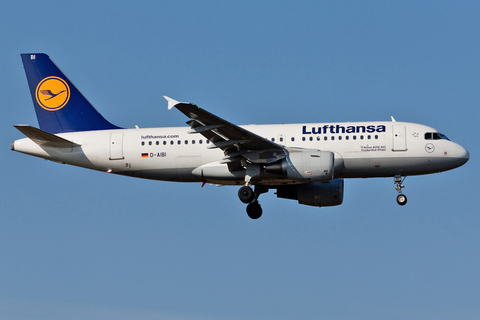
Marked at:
<point>361,149</point>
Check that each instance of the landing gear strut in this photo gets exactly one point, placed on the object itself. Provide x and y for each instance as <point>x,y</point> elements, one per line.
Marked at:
<point>401,198</point>
<point>247,195</point>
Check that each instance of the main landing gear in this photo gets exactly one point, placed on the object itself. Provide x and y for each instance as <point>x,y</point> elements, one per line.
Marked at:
<point>247,195</point>
<point>401,198</point>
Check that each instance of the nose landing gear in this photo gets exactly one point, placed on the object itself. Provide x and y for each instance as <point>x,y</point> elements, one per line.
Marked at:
<point>247,195</point>
<point>401,198</point>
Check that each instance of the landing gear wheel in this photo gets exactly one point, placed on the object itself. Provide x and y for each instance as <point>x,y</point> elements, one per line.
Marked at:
<point>254,210</point>
<point>401,199</point>
<point>246,194</point>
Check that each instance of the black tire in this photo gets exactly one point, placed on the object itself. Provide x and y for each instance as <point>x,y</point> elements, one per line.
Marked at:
<point>254,210</point>
<point>401,199</point>
<point>246,194</point>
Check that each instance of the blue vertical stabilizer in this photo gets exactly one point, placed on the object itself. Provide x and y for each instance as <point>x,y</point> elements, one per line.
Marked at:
<point>60,107</point>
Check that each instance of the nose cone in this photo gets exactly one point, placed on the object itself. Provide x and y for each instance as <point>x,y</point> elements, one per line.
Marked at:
<point>462,155</point>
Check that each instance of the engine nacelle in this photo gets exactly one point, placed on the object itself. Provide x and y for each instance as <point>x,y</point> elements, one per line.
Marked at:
<point>306,165</point>
<point>318,194</point>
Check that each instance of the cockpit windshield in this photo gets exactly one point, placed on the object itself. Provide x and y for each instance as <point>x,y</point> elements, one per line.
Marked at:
<point>435,136</point>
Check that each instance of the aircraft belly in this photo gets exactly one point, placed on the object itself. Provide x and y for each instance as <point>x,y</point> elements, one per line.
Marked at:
<point>185,165</point>
<point>391,166</point>
<point>169,174</point>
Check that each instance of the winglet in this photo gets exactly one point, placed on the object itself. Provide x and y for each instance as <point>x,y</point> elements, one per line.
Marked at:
<point>171,103</point>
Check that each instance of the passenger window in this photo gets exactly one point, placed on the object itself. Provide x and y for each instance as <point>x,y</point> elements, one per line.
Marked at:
<point>339,137</point>
<point>318,138</point>
<point>347,137</point>
<point>200,141</point>
<point>354,137</point>
<point>273,139</point>
<point>186,141</point>
<point>193,141</point>
<point>325,138</point>
<point>208,141</point>
<point>149,143</point>
<point>369,137</point>
<point>311,139</point>
<point>281,139</point>
<point>171,141</point>
<point>164,142</point>
<point>303,138</point>
<point>158,142</point>
<point>376,136</point>
<point>293,139</point>
<point>333,137</point>
<point>178,142</point>
<point>361,137</point>
<point>143,143</point>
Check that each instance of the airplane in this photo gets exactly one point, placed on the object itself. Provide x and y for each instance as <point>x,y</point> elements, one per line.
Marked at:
<point>303,162</point>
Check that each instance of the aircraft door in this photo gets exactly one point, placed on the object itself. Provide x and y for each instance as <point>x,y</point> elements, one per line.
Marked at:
<point>116,146</point>
<point>399,138</point>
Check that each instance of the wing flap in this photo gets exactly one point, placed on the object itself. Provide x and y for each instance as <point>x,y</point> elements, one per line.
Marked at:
<point>200,128</point>
<point>226,143</point>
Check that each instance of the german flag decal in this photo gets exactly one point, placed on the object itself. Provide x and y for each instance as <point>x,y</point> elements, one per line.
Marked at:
<point>144,155</point>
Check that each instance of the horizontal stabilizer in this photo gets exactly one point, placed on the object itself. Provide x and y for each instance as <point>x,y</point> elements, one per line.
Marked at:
<point>45,139</point>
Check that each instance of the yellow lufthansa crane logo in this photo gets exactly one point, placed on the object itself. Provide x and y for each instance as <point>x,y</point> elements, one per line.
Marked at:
<point>52,93</point>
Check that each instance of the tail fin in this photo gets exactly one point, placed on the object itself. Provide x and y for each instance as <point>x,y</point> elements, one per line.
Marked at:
<point>60,107</point>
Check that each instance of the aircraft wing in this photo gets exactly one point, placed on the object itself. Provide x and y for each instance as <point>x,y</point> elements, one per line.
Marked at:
<point>221,133</point>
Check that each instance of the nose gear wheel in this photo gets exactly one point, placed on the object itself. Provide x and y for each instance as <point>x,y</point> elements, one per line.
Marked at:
<point>401,198</point>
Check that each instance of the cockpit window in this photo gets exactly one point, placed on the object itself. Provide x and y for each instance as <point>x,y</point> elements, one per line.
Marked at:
<point>442,136</point>
<point>435,136</point>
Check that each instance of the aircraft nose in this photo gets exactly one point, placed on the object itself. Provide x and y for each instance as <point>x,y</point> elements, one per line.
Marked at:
<point>462,154</point>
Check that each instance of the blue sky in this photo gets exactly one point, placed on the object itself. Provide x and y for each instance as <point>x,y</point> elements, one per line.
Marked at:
<point>77,244</point>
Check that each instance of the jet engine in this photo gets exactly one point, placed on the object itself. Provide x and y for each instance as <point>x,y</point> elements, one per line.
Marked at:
<point>318,194</point>
<point>304,165</point>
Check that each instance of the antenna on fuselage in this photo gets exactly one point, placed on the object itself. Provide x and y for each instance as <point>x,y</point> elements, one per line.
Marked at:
<point>393,119</point>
